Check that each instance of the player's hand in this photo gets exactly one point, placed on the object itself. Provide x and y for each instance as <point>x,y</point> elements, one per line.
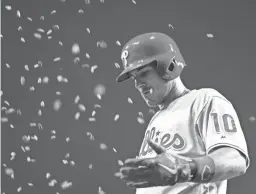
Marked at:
<point>163,170</point>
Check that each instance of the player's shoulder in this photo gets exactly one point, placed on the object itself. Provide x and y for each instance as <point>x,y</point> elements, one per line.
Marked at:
<point>207,94</point>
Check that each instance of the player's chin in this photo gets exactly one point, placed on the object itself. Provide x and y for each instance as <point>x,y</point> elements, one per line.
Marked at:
<point>150,99</point>
<point>151,103</point>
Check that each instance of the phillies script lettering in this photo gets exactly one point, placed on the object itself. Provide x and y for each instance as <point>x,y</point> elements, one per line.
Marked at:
<point>167,140</point>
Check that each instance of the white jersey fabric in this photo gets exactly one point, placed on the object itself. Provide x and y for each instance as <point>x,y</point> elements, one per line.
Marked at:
<point>192,125</point>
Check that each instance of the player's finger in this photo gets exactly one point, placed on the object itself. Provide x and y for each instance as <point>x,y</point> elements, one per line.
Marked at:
<point>137,178</point>
<point>137,174</point>
<point>143,184</point>
<point>141,162</point>
<point>148,162</point>
<point>135,171</point>
<point>125,170</point>
<point>131,170</point>
<point>133,161</point>
<point>157,148</point>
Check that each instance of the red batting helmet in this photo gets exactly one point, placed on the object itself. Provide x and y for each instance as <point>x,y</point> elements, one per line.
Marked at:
<point>150,47</point>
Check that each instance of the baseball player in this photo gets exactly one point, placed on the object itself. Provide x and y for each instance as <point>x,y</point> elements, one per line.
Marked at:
<point>195,142</point>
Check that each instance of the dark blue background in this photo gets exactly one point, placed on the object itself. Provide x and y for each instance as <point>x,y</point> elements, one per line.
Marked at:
<point>225,62</point>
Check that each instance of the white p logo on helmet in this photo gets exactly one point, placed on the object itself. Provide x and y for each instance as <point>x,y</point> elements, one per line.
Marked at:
<point>124,58</point>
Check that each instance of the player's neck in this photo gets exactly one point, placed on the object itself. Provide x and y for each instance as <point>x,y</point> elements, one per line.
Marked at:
<point>176,90</point>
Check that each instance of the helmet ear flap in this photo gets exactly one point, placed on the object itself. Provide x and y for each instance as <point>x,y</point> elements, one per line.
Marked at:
<point>171,70</point>
<point>171,66</point>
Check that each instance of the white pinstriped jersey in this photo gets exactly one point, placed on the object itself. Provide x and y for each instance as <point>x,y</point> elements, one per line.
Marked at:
<point>192,126</point>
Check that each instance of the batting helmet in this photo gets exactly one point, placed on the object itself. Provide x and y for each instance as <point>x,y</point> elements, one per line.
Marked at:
<point>150,47</point>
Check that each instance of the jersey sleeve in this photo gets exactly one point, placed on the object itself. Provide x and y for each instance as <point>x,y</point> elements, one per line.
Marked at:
<point>219,125</point>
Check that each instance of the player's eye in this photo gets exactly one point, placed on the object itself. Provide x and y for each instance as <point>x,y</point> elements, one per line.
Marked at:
<point>144,73</point>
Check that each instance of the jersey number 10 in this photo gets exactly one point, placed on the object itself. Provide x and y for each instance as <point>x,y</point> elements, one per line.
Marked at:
<point>224,118</point>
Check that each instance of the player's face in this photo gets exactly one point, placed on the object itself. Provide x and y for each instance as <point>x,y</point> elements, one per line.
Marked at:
<point>152,87</point>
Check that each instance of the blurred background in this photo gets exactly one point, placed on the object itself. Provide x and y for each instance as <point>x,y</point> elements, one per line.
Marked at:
<point>66,123</point>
